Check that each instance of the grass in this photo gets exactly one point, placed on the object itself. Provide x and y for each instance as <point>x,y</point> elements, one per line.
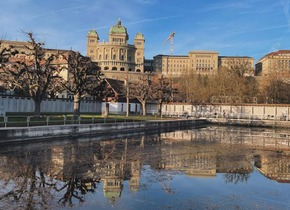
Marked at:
<point>23,119</point>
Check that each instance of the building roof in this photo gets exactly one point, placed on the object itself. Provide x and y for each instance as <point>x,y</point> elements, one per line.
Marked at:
<point>235,57</point>
<point>93,33</point>
<point>139,36</point>
<point>161,55</point>
<point>118,29</point>
<point>279,52</point>
<point>116,85</point>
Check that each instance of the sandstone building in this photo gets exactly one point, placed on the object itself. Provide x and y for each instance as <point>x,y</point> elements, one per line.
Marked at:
<point>230,62</point>
<point>117,56</point>
<point>200,62</point>
<point>278,61</point>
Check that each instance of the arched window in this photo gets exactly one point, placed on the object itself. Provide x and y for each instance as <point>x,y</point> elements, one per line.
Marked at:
<point>114,68</point>
<point>130,69</point>
<point>138,70</point>
<point>122,69</point>
<point>106,68</point>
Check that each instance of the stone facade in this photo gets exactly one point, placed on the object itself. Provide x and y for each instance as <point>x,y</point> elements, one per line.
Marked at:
<point>278,61</point>
<point>200,62</point>
<point>234,61</point>
<point>117,55</point>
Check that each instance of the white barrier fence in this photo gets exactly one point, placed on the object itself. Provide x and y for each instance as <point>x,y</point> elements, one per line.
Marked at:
<point>19,104</point>
<point>246,111</point>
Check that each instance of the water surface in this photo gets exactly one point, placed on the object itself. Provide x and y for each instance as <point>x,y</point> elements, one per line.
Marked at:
<point>206,168</point>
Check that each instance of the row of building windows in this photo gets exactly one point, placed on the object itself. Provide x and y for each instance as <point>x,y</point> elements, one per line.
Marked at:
<point>114,68</point>
<point>203,65</point>
<point>114,57</point>
<point>177,65</point>
<point>203,56</point>
<point>118,40</point>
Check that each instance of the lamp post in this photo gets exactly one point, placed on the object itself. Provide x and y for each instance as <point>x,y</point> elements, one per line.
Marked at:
<point>127,96</point>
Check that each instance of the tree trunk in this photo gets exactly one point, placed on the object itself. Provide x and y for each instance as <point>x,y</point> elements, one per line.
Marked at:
<point>37,105</point>
<point>144,108</point>
<point>76,107</point>
<point>127,106</point>
<point>160,102</point>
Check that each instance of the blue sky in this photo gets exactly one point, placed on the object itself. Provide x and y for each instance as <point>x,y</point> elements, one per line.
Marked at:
<point>231,27</point>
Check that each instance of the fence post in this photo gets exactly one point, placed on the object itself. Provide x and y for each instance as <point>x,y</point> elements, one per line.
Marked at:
<point>64,119</point>
<point>79,119</point>
<point>47,120</point>
<point>5,121</point>
<point>27,121</point>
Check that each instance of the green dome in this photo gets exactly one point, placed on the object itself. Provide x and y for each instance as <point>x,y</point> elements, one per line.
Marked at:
<point>118,29</point>
<point>112,196</point>
<point>93,33</point>
<point>139,36</point>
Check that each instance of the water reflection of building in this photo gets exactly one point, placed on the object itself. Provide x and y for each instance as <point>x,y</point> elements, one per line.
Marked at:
<point>193,161</point>
<point>121,164</point>
<point>111,162</point>
<point>274,165</point>
<point>113,179</point>
<point>204,160</point>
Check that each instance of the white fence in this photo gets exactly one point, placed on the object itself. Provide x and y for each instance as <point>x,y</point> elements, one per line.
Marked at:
<point>257,111</point>
<point>18,104</point>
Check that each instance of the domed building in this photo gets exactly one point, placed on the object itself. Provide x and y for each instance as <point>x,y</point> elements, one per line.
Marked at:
<point>117,55</point>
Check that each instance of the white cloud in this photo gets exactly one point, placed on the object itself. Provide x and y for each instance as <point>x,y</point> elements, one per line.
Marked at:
<point>286,10</point>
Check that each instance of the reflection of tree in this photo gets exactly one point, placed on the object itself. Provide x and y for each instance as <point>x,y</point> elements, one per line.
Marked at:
<point>166,186</point>
<point>26,183</point>
<point>237,176</point>
<point>75,189</point>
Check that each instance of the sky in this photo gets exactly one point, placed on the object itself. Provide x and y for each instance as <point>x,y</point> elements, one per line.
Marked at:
<point>231,27</point>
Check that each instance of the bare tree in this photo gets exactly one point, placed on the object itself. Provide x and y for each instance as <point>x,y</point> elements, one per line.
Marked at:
<point>161,91</point>
<point>142,91</point>
<point>83,78</point>
<point>32,74</point>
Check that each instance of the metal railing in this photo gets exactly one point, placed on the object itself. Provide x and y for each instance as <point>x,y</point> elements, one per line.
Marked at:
<point>238,116</point>
<point>46,120</point>
<point>28,121</point>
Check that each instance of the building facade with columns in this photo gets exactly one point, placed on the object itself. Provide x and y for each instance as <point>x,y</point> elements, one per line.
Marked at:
<point>117,56</point>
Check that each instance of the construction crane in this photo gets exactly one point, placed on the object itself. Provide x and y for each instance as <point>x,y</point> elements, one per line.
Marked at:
<point>171,37</point>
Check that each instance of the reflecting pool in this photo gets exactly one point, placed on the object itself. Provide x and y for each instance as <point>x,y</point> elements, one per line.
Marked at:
<point>204,168</point>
